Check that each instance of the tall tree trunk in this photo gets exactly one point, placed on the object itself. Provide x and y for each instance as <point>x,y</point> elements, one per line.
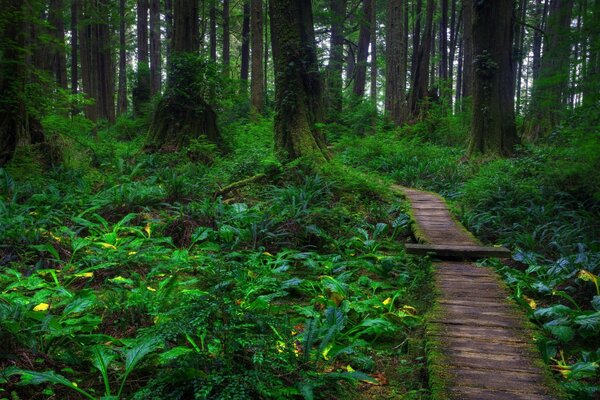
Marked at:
<point>212,33</point>
<point>122,91</point>
<point>467,75</point>
<point>417,6</point>
<point>541,9</point>
<point>257,90</point>
<point>74,46</point>
<point>106,92</point>
<point>13,114</point>
<point>395,66</point>
<point>226,39</point>
<point>520,53</point>
<point>142,90</point>
<point>551,85</point>
<point>245,45</point>
<point>493,125</point>
<point>363,50</point>
<point>459,77</point>
<point>168,26</point>
<point>591,85</point>
<point>420,79</point>
<point>155,47</point>
<point>443,41</point>
<point>374,52</point>
<point>334,82</point>
<point>298,102</point>
<point>96,60</point>
<point>182,114</point>
<point>59,61</point>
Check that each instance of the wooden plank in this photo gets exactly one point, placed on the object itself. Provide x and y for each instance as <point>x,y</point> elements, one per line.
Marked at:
<point>471,393</point>
<point>463,252</point>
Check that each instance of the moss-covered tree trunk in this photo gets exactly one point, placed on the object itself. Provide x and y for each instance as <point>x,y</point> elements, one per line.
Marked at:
<point>182,114</point>
<point>298,97</point>
<point>493,126</point>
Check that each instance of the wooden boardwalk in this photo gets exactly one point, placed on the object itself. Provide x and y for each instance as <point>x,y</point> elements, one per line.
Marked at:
<point>479,343</point>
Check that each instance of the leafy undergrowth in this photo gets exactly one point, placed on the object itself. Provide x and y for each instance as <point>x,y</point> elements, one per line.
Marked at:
<point>124,276</point>
<point>544,204</point>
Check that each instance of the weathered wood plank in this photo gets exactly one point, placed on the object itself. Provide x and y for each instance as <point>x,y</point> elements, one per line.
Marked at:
<point>464,252</point>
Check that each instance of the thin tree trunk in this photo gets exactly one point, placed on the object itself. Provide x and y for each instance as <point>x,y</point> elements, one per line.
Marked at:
<point>169,26</point>
<point>416,35</point>
<point>59,62</point>
<point>155,47</point>
<point>74,46</point>
<point>363,50</point>
<point>335,67</point>
<point>122,91</point>
<point>467,75</point>
<point>142,90</point>
<point>245,45</point>
<point>374,52</point>
<point>395,65</point>
<point>257,89</point>
<point>443,41</point>
<point>519,42</point>
<point>226,39</point>
<point>591,85</point>
<point>493,124</point>
<point>420,79</point>
<point>212,16</point>
<point>540,16</point>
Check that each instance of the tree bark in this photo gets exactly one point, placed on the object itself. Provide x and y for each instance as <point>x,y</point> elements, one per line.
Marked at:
<point>420,86</point>
<point>257,90</point>
<point>334,82</point>
<point>245,51</point>
<point>551,85</point>
<point>443,40</point>
<point>168,26</point>
<point>155,47</point>
<point>493,124</point>
<point>142,90</point>
<point>226,39</point>
<point>395,66</point>
<point>374,52</point>
<point>591,85</point>
<point>540,17</point>
<point>298,102</point>
<point>467,75</point>
<point>520,53</point>
<point>122,91</point>
<point>74,46</point>
<point>59,56</point>
<point>96,60</point>
<point>182,114</point>
<point>13,114</point>
<point>212,33</point>
<point>363,50</point>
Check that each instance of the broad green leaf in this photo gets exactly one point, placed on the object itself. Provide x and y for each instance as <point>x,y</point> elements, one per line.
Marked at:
<point>582,370</point>
<point>563,333</point>
<point>36,378</point>
<point>101,359</point>
<point>173,354</point>
<point>48,248</point>
<point>589,323</point>
<point>596,303</point>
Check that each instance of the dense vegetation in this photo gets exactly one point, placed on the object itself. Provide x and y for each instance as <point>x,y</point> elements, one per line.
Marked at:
<point>230,232</point>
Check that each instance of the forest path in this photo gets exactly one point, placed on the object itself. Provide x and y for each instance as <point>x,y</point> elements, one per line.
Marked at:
<point>479,344</point>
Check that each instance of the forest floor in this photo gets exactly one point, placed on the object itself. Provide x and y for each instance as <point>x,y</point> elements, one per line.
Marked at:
<point>125,274</point>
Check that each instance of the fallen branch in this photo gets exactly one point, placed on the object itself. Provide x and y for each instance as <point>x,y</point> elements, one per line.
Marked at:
<point>239,184</point>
